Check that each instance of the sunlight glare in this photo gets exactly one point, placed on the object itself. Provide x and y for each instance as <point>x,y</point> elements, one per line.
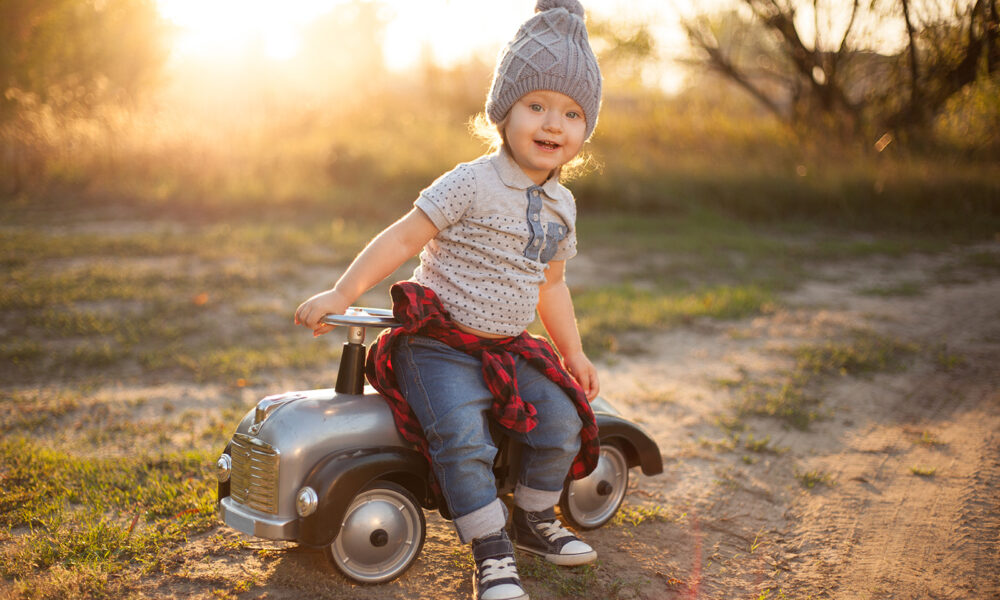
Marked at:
<point>229,28</point>
<point>448,32</point>
<point>451,30</point>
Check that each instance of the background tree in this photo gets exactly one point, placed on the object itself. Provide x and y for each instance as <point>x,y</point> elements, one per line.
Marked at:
<point>823,65</point>
<point>73,55</point>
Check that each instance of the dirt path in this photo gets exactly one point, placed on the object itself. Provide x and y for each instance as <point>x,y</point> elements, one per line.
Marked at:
<point>915,512</point>
<point>893,492</point>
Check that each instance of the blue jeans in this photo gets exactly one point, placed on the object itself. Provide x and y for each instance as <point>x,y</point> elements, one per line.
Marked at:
<point>446,390</point>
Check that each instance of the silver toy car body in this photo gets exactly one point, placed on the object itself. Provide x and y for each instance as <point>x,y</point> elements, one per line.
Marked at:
<point>328,468</point>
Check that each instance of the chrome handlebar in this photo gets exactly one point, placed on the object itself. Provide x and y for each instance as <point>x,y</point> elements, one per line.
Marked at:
<point>362,316</point>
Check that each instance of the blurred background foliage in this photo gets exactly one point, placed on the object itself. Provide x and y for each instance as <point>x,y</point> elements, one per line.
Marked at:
<point>771,123</point>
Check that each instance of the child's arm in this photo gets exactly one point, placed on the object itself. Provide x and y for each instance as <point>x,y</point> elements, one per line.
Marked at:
<point>383,255</point>
<point>555,307</point>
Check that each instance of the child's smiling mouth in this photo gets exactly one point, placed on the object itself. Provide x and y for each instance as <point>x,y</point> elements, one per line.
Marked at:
<point>546,145</point>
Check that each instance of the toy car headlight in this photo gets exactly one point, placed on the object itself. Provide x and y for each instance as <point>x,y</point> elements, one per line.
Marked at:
<point>306,501</point>
<point>223,467</point>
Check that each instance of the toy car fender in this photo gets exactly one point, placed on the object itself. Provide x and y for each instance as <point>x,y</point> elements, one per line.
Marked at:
<point>345,474</point>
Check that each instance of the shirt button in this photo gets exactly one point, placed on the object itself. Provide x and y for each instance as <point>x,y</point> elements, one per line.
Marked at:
<point>534,217</point>
<point>535,193</point>
<point>536,243</point>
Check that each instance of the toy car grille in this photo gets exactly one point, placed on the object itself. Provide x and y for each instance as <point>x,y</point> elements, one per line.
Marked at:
<point>254,480</point>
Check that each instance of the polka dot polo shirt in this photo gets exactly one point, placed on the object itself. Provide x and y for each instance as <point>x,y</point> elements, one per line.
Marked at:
<point>497,232</point>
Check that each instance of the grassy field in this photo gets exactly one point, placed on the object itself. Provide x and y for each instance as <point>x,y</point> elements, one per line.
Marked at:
<point>101,485</point>
<point>150,256</point>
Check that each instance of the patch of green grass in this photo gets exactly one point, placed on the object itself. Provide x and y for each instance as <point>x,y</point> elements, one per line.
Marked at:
<point>19,352</point>
<point>602,313</point>
<point>95,355</point>
<point>969,268</point>
<point>637,515</point>
<point>983,259</point>
<point>242,361</point>
<point>104,280</point>
<point>84,302</point>
<point>95,517</point>
<point>731,423</point>
<point>706,246</point>
<point>318,242</point>
<point>902,289</point>
<point>35,408</point>
<point>948,360</point>
<point>928,439</point>
<point>75,322</point>
<point>811,479</point>
<point>726,444</point>
<point>759,446</point>
<point>864,353</point>
<point>788,402</point>
<point>734,439</point>
<point>577,582</point>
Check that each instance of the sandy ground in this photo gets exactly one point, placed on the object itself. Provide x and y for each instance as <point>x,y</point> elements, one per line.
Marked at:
<point>908,502</point>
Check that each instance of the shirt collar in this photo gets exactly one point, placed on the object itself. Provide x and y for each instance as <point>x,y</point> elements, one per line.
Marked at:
<point>513,177</point>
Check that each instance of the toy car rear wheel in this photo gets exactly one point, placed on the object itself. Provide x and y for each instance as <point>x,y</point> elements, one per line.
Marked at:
<point>591,502</point>
<point>381,535</point>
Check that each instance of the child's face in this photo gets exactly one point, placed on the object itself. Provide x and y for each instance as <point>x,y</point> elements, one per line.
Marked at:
<point>544,131</point>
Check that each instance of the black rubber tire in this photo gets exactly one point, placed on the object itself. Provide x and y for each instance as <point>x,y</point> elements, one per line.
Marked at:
<point>368,553</point>
<point>591,502</point>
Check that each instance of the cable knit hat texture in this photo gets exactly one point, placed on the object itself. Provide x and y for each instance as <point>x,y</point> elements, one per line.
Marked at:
<point>551,51</point>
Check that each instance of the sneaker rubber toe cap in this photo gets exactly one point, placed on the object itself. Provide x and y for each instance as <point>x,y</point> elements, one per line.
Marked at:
<point>576,547</point>
<point>506,591</point>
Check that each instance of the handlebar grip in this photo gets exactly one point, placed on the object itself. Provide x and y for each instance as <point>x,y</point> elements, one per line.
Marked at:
<point>363,317</point>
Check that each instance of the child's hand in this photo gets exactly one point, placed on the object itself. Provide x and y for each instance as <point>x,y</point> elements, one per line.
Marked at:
<point>309,313</point>
<point>580,367</point>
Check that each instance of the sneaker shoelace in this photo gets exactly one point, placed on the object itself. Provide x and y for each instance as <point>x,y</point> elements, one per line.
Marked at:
<point>492,569</point>
<point>554,530</point>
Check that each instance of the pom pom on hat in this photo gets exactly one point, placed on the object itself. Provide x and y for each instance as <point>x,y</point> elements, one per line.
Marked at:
<point>551,51</point>
<point>573,6</point>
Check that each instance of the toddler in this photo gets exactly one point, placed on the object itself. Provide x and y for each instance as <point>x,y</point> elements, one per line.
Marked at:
<point>494,235</point>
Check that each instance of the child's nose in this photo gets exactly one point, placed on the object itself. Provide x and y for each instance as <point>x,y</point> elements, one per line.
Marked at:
<point>553,122</point>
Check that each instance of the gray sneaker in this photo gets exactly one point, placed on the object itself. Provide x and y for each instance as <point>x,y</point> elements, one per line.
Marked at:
<point>541,533</point>
<point>496,574</point>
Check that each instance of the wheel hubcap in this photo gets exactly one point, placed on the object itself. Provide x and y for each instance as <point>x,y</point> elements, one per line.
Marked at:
<point>379,536</point>
<point>595,498</point>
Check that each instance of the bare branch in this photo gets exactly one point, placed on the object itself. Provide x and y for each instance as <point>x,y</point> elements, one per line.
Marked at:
<point>850,27</point>
<point>817,43</point>
<point>993,39</point>
<point>915,86</point>
<point>718,61</point>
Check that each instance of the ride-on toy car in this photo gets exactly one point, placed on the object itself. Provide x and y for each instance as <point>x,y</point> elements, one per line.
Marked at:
<point>327,468</point>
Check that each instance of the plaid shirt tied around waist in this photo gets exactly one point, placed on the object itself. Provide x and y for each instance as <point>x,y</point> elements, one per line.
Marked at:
<point>420,312</point>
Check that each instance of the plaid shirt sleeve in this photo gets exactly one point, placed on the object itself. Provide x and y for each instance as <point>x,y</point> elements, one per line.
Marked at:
<point>420,312</point>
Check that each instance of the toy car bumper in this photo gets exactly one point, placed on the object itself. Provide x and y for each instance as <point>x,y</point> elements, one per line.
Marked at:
<point>253,522</point>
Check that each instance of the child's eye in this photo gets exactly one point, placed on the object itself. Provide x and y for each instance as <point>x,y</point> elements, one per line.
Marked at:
<point>535,107</point>
<point>573,114</point>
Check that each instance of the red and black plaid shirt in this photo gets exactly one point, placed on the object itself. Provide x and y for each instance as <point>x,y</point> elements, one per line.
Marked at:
<point>420,312</point>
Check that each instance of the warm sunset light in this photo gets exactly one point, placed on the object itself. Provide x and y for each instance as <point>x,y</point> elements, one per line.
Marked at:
<point>761,295</point>
<point>231,27</point>
<point>450,30</point>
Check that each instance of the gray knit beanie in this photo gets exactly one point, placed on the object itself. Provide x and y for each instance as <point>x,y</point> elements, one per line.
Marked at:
<point>551,51</point>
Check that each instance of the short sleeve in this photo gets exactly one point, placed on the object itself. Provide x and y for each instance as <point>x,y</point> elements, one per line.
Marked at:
<point>567,246</point>
<point>566,249</point>
<point>446,200</point>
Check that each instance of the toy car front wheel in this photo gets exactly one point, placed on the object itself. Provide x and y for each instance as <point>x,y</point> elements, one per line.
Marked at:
<point>590,502</point>
<point>382,533</point>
